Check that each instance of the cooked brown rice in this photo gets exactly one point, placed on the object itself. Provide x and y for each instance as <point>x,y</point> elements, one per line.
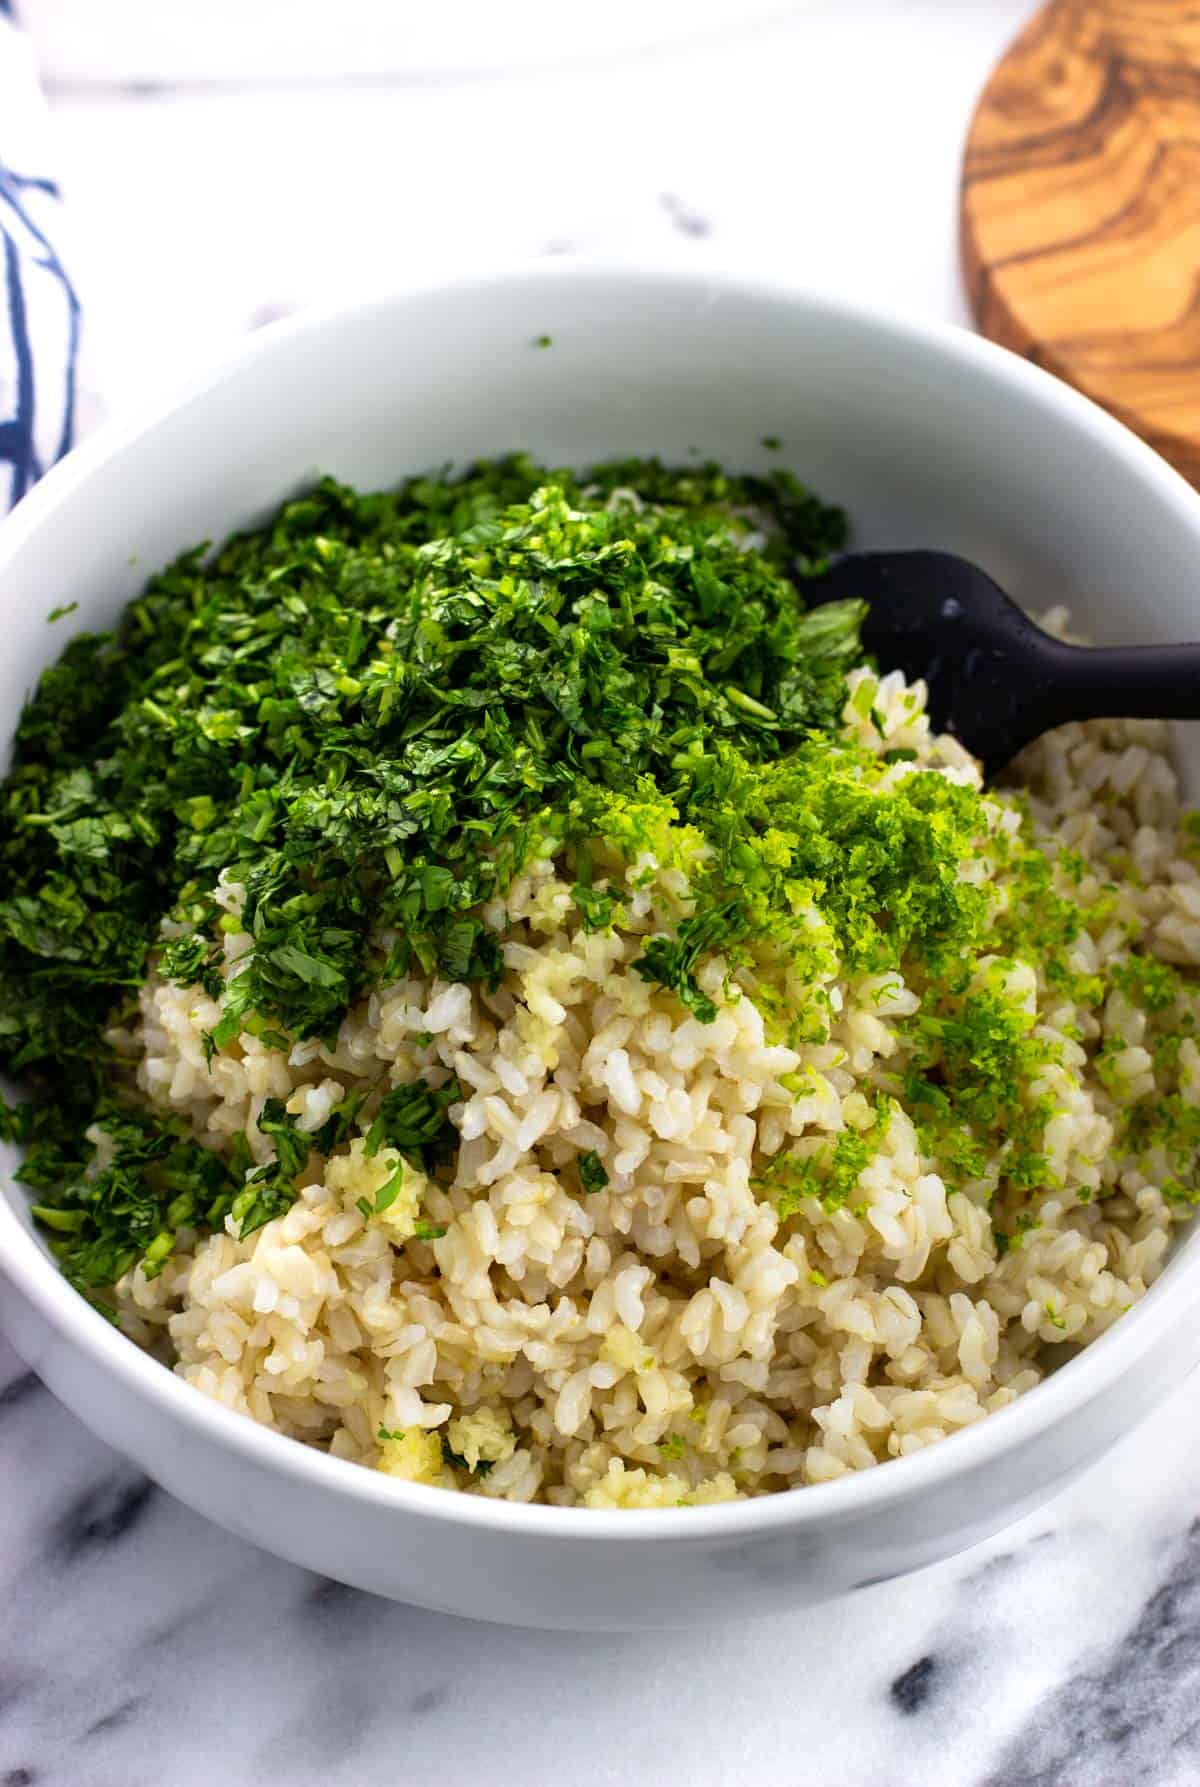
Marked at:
<point>668,1339</point>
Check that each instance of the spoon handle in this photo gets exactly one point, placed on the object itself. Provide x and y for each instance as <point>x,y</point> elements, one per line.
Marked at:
<point>1138,682</point>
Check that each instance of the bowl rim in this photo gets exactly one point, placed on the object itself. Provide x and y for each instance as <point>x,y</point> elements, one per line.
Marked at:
<point>843,1500</point>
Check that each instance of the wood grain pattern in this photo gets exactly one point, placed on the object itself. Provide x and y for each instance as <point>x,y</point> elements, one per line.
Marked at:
<point>1081,209</point>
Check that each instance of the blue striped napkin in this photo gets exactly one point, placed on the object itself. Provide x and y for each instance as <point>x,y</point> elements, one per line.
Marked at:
<point>39,342</point>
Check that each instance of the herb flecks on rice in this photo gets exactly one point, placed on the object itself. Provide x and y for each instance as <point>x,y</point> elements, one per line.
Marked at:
<point>511,999</point>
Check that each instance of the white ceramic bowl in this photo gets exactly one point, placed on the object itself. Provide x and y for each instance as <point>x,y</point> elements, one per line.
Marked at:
<point>930,437</point>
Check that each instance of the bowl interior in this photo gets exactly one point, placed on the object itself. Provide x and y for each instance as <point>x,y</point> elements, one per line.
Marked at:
<point>928,438</point>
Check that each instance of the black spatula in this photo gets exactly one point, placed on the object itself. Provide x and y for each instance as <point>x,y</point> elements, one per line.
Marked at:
<point>996,681</point>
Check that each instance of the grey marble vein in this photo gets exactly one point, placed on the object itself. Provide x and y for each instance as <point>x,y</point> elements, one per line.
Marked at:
<point>1132,1714</point>
<point>142,1647</point>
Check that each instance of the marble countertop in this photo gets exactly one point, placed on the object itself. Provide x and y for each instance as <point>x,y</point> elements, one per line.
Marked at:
<point>142,1647</point>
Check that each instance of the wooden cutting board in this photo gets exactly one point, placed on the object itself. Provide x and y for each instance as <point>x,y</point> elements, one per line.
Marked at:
<point>1081,209</point>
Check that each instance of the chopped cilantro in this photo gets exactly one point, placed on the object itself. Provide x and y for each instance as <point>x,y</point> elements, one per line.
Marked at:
<point>157,1181</point>
<point>389,1191</point>
<point>598,910</point>
<point>670,962</point>
<point>269,1192</point>
<point>368,712</point>
<point>458,1462</point>
<point>292,1147</point>
<point>375,710</point>
<point>413,1120</point>
<point>592,1176</point>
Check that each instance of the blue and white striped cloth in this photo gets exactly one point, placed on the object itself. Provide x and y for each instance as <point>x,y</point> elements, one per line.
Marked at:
<point>40,338</point>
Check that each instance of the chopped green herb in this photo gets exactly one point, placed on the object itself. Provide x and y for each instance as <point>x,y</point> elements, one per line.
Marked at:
<point>592,1176</point>
<point>389,1191</point>
<point>413,1119</point>
<point>157,1181</point>
<point>598,909</point>
<point>459,1463</point>
<point>368,713</point>
<point>670,963</point>
<point>292,1147</point>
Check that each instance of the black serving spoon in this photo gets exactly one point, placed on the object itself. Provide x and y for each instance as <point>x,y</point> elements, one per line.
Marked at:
<point>995,680</point>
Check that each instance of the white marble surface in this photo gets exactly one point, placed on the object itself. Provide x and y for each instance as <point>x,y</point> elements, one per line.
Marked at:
<point>141,1647</point>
